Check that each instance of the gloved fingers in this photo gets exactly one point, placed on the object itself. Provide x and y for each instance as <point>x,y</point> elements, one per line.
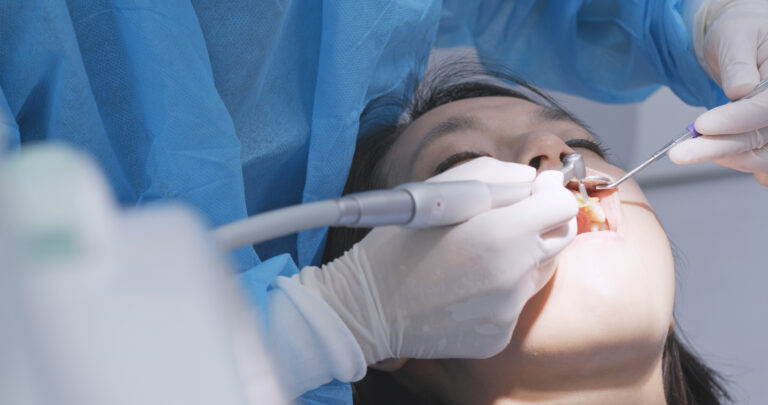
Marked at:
<point>762,60</point>
<point>715,147</point>
<point>488,170</point>
<point>544,211</point>
<point>733,47</point>
<point>751,161</point>
<point>762,178</point>
<point>556,235</point>
<point>555,240</point>
<point>548,179</point>
<point>736,117</point>
<point>541,276</point>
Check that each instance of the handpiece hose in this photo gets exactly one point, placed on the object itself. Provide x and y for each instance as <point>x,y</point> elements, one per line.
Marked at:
<point>413,205</point>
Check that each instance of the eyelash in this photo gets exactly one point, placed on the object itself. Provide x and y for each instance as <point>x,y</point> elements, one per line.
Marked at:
<point>456,158</point>
<point>594,146</point>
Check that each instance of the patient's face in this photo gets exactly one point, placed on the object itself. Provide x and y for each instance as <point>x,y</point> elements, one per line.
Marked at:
<point>608,308</point>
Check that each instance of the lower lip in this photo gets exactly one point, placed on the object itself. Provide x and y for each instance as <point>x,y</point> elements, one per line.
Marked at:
<point>610,202</point>
<point>599,235</point>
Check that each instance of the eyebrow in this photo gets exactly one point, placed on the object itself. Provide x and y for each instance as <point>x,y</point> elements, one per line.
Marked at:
<point>449,126</point>
<point>554,114</point>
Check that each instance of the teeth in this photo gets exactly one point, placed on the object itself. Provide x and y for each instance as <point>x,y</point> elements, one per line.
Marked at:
<point>594,211</point>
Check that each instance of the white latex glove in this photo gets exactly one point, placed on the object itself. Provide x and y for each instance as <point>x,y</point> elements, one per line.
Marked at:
<point>731,41</point>
<point>448,292</point>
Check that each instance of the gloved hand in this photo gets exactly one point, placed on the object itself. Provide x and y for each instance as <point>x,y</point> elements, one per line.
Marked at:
<point>422,293</point>
<point>731,41</point>
<point>450,292</point>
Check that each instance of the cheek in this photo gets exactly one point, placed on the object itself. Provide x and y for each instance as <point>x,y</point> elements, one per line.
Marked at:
<point>608,296</point>
<point>630,279</point>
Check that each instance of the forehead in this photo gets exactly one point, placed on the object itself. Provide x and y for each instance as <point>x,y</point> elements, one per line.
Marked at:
<point>501,110</point>
<point>501,115</point>
<point>495,114</point>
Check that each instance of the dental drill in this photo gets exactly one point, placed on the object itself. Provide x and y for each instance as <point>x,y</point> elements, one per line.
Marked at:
<point>411,205</point>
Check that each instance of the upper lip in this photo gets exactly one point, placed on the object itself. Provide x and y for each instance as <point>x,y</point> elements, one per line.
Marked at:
<point>590,186</point>
<point>573,185</point>
<point>611,211</point>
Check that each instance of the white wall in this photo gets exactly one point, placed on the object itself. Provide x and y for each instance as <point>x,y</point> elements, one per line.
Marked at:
<point>718,220</point>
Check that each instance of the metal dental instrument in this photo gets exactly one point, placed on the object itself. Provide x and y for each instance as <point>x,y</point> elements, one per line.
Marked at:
<point>690,132</point>
<point>411,205</point>
<point>574,168</point>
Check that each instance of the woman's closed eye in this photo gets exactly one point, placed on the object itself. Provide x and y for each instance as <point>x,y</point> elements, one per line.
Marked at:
<point>463,156</point>
<point>455,159</point>
<point>594,146</point>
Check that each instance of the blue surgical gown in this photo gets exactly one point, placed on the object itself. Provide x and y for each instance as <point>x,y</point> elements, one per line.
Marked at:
<point>241,106</point>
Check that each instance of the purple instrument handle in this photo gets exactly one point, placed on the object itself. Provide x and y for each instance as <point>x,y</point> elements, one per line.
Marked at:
<point>693,131</point>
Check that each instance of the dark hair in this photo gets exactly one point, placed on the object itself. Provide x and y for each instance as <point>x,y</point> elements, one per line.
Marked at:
<point>687,380</point>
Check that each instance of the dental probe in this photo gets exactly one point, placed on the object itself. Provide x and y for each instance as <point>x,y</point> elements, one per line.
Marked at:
<point>411,205</point>
<point>690,132</point>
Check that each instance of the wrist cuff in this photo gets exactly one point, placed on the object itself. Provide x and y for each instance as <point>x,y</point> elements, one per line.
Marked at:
<point>310,342</point>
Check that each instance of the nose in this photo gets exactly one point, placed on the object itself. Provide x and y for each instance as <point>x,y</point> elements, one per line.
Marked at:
<point>543,151</point>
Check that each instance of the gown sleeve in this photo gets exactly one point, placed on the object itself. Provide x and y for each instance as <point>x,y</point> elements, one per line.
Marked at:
<point>605,50</point>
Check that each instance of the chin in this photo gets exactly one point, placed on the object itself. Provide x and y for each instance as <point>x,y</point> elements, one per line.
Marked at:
<point>608,308</point>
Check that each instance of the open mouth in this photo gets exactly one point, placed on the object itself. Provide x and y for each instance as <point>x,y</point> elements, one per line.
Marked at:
<point>598,212</point>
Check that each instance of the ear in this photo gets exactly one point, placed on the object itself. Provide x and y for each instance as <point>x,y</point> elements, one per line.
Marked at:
<point>389,365</point>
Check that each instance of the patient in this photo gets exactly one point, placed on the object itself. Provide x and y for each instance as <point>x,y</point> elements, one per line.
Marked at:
<point>602,330</point>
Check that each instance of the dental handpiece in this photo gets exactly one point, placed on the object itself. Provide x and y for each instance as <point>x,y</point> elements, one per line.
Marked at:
<point>411,205</point>
<point>690,132</point>
<point>574,168</point>
<point>427,204</point>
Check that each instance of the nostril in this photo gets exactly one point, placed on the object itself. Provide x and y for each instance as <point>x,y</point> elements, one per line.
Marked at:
<point>535,162</point>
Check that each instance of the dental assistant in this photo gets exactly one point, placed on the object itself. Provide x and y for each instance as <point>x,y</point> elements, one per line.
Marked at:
<point>246,106</point>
